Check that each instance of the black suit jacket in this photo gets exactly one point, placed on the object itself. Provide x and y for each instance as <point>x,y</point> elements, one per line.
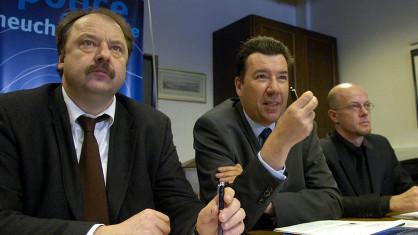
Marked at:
<point>40,178</point>
<point>224,137</point>
<point>387,177</point>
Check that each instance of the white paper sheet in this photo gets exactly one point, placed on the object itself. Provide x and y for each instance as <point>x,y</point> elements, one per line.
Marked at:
<point>411,215</point>
<point>340,227</point>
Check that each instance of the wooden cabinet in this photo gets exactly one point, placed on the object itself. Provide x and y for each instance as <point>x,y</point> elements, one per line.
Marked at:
<point>315,67</point>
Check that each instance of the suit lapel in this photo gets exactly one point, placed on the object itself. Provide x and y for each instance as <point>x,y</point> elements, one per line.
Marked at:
<point>346,163</point>
<point>252,139</point>
<point>68,159</point>
<point>121,152</point>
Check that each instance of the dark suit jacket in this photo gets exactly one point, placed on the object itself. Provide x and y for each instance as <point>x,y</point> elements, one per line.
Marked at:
<point>386,175</point>
<point>223,137</point>
<point>40,178</point>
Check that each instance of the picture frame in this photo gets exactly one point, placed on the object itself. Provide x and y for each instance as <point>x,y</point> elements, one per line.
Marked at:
<point>414,57</point>
<point>181,85</point>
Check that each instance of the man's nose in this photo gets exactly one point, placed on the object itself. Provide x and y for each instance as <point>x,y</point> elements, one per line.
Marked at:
<point>273,85</point>
<point>363,110</point>
<point>103,53</point>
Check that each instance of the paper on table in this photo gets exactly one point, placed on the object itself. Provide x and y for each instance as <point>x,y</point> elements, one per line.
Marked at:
<point>411,215</point>
<point>410,223</point>
<point>340,227</point>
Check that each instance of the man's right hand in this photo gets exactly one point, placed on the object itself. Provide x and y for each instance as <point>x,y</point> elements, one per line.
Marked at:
<point>405,202</point>
<point>295,124</point>
<point>231,217</point>
<point>147,221</point>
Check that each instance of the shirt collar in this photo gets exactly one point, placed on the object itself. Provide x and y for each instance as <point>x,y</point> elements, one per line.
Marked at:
<point>256,127</point>
<point>350,146</point>
<point>74,111</point>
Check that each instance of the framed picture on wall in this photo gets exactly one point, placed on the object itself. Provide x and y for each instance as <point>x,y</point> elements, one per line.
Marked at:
<point>414,56</point>
<point>181,85</point>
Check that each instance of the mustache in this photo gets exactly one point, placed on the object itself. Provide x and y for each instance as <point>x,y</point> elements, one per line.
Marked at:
<point>101,66</point>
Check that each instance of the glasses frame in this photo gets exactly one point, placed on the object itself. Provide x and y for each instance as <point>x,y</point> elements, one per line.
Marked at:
<point>356,106</point>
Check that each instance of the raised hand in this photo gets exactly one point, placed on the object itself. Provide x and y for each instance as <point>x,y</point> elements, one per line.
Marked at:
<point>294,125</point>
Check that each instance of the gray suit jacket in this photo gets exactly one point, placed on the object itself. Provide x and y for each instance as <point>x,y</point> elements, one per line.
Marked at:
<point>224,137</point>
<point>40,178</point>
<point>386,175</point>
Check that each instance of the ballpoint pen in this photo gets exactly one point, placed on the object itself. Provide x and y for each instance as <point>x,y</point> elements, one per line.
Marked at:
<point>220,192</point>
<point>293,93</point>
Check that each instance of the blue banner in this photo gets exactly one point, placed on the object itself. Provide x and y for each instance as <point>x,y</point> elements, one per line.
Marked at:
<point>28,55</point>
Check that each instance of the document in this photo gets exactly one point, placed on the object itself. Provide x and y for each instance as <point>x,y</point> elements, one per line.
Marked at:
<point>340,227</point>
<point>411,215</point>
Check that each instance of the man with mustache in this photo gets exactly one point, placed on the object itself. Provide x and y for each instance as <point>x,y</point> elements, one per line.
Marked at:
<point>285,179</point>
<point>364,165</point>
<point>101,67</point>
<point>79,158</point>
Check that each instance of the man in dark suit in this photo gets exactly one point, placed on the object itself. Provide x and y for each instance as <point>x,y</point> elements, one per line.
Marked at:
<point>285,180</point>
<point>364,165</point>
<point>46,181</point>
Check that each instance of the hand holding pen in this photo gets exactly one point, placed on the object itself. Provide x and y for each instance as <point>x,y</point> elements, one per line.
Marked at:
<point>220,194</point>
<point>230,218</point>
<point>297,121</point>
<point>293,125</point>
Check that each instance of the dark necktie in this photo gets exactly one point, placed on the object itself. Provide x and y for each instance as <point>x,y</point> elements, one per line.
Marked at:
<point>92,180</point>
<point>264,135</point>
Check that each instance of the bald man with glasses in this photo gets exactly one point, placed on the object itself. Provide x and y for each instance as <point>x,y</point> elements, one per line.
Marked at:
<point>369,176</point>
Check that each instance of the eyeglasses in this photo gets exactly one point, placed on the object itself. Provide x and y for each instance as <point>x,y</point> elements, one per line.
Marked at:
<point>355,106</point>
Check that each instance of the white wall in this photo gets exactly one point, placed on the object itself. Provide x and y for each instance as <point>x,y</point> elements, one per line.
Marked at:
<point>183,40</point>
<point>373,40</point>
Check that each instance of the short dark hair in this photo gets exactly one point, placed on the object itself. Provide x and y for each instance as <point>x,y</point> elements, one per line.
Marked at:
<point>261,44</point>
<point>67,22</point>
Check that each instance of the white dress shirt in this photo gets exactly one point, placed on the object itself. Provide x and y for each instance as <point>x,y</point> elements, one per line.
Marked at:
<point>101,130</point>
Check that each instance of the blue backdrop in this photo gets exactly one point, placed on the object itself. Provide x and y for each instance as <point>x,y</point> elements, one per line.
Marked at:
<point>28,55</point>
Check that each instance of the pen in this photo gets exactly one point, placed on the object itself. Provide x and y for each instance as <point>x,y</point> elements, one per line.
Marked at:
<point>220,192</point>
<point>293,93</point>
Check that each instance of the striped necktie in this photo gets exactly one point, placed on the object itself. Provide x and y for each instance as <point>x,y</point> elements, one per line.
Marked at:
<point>264,135</point>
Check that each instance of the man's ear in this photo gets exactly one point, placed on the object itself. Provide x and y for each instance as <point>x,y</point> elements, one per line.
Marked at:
<point>238,86</point>
<point>332,114</point>
<point>60,65</point>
